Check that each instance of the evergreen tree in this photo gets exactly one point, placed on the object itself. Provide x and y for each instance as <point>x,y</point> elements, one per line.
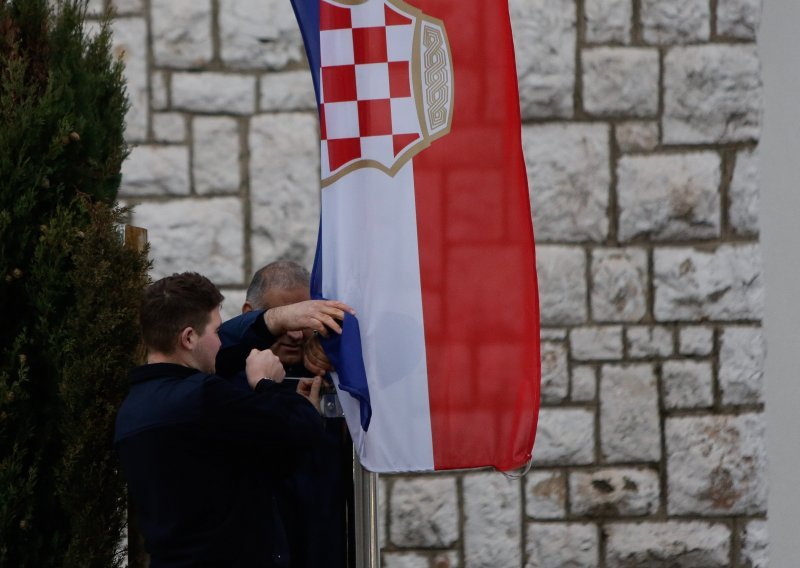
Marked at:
<point>69,289</point>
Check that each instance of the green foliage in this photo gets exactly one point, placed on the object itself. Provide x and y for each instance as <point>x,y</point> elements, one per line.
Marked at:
<point>69,288</point>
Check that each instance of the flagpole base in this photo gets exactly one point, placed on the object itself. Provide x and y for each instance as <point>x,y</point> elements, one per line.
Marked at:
<point>366,516</point>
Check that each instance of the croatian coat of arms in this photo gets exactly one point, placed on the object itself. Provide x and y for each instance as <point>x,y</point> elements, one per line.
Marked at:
<point>386,85</point>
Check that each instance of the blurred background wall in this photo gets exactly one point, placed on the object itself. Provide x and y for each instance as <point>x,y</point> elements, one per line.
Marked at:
<point>641,127</point>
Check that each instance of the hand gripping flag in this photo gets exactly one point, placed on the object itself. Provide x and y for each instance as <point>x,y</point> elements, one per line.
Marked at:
<point>426,230</point>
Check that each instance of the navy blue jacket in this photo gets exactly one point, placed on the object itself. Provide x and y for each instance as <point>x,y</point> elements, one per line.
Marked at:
<point>319,489</point>
<point>203,459</point>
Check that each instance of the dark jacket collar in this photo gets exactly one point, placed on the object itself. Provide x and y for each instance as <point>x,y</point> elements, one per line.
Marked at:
<point>160,371</point>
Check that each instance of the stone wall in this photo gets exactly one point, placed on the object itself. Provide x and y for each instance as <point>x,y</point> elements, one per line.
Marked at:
<point>641,124</point>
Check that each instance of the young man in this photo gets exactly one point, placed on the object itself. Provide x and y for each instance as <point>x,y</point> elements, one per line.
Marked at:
<point>202,457</point>
<point>320,487</point>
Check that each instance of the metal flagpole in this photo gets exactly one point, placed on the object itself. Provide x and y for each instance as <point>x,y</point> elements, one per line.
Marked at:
<point>366,516</point>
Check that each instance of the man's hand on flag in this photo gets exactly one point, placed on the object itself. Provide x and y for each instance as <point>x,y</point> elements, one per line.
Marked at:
<point>316,315</point>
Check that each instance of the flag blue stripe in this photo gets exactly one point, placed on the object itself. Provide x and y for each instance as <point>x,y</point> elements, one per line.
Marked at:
<point>343,350</point>
<point>345,354</point>
<point>307,14</point>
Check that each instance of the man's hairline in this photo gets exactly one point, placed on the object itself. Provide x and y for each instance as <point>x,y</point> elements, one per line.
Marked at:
<point>200,333</point>
<point>278,272</point>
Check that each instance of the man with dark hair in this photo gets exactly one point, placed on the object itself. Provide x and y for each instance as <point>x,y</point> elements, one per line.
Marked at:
<point>170,306</point>
<point>316,494</point>
<point>203,457</point>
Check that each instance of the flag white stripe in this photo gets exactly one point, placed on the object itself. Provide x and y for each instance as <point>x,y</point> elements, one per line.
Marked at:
<point>370,260</point>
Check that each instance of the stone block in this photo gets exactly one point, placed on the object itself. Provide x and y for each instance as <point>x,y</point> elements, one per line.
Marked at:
<point>544,39</point>
<point>620,492</point>
<point>584,383</point>
<point>676,21</point>
<point>156,170</point>
<point>492,513</point>
<point>159,96</point>
<point>608,21</point>
<point>552,334</point>
<point>687,384</point>
<point>646,342</point>
<point>565,436</point>
<point>94,8</point>
<point>169,127</point>
<point>424,512</point>
<point>712,94</point>
<point>258,34</point>
<point>546,495</point>
<point>629,416</point>
<point>555,373</point>
<point>743,196</point>
<point>725,284</point>
<point>562,284</point>
<point>284,187</point>
<point>206,236</point>
<point>181,33</point>
<point>738,18</point>
<point>696,340</point>
<point>619,284</point>
<point>670,544</point>
<point>596,343</point>
<point>669,197</point>
<point>289,90</point>
<point>447,559</point>
<point>130,45</point>
<point>569,179</point>
<point>754,540</point>
<point>637,135</point>
<point>742,355</point>
<point>558,545</point>
<point>127,7</point>
<point>209,92</point>
<point>215,154</point>
<point>383,506</point>
<point>716,465</point>
<point>405,560</point>
<point>620,81</point>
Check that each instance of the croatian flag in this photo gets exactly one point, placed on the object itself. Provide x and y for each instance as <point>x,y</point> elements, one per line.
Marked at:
<point>426,230</point>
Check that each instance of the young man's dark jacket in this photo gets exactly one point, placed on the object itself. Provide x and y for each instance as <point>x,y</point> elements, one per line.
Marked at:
<point>320,484</point>
<point>202,458</point>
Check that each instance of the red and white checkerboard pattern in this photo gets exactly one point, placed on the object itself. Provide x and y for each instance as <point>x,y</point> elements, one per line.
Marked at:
<point>367,110</point>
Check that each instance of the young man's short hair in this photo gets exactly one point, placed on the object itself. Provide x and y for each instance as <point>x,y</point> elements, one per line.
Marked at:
<point>174,303</point>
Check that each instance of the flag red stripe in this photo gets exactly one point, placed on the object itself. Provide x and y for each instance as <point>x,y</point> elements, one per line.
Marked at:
<point>476,253</point>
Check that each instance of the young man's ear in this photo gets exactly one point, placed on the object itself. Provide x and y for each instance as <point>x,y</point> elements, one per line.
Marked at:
<point>187,338</point>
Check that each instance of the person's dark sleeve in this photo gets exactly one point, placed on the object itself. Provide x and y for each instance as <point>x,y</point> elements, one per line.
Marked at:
<point>269,418</point>
<point>239,336</point>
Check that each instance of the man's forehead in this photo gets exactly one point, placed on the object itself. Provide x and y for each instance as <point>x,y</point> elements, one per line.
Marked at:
<point>275,297</point>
